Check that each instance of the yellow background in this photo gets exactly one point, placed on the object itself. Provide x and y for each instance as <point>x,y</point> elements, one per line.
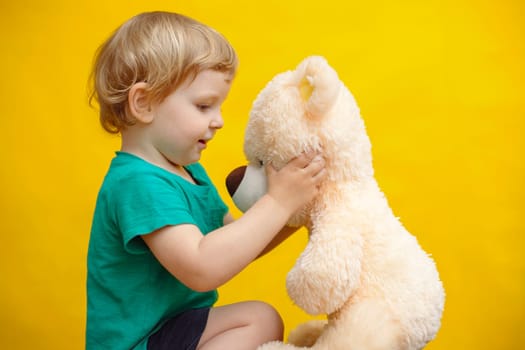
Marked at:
<point>441,88</point>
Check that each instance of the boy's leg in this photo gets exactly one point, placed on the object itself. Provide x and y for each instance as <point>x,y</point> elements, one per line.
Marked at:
<point>241,326</point>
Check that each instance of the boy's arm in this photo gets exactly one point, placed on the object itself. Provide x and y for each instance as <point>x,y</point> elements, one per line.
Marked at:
<point>205,262</point>
<point>285,232</point>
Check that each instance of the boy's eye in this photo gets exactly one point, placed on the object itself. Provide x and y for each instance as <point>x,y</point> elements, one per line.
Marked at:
<point>203,107</point>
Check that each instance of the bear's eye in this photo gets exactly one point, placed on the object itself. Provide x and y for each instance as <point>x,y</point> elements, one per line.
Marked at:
<point>261,163</point>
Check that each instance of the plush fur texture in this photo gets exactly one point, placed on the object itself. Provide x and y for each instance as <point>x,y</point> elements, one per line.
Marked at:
<point>361,267</point>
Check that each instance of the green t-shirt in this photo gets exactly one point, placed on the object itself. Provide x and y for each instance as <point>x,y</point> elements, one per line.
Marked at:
<point>129,294</point>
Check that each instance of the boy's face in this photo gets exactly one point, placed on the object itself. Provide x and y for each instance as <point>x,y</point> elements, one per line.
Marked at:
<point>187,119</point>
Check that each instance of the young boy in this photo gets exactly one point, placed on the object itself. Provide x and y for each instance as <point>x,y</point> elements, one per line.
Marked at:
<point>162,240</point>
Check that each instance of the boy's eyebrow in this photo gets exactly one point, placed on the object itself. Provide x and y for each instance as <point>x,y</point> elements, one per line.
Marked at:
<point>208,95</point>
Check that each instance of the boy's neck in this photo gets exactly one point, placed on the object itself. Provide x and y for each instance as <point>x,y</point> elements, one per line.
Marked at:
<point>133,145</point>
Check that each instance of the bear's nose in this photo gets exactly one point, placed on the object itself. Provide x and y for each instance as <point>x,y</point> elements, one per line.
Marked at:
<point>234,178</point>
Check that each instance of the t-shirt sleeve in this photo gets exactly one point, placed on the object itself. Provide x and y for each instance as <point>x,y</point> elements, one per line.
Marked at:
<point>146,204</point>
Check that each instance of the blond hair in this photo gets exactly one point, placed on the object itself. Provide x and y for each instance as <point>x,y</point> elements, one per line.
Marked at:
<point>160,48</point>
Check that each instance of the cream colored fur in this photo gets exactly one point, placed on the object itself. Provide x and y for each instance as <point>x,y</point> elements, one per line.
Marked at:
<point>361,267</point>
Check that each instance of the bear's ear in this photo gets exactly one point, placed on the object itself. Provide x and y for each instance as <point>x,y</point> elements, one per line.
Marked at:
<point>318,84</point>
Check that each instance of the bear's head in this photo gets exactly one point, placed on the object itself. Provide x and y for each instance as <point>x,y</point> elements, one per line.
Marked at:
<point>306,109</point>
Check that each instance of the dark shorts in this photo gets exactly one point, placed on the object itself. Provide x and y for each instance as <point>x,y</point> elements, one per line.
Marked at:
<point>182,332</point>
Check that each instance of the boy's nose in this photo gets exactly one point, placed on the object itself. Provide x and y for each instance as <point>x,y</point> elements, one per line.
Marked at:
<point>217,122</point>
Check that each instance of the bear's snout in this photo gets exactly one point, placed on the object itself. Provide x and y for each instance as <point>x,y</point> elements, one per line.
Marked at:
<point>234,179</point>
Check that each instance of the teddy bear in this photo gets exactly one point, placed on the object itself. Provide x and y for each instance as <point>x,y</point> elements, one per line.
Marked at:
<point>361,267</point>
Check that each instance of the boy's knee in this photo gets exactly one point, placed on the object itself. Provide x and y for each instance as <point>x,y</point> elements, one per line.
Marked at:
<point>269,320</point>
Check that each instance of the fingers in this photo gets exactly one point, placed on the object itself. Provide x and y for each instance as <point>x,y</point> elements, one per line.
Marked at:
<point>317,171</point>
<point>302,160</point>
<point>269,168</point>
<point>311,164</point>
<point>298,181</point>
<point>315,165</point>
<point>305,159</point>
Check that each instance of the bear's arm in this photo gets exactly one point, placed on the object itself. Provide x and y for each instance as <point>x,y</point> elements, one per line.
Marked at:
<point>328,271</point>
<point>282,236</point>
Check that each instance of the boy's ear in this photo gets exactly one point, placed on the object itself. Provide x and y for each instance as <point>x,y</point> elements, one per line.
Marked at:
<point>139,103</point>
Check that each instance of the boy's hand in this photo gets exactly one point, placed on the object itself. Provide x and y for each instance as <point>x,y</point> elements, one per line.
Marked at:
<point>297,183</point>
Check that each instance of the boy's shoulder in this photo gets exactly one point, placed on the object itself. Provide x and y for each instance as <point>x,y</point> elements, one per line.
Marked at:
<point>125,166</point>
<point>126,169</point>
